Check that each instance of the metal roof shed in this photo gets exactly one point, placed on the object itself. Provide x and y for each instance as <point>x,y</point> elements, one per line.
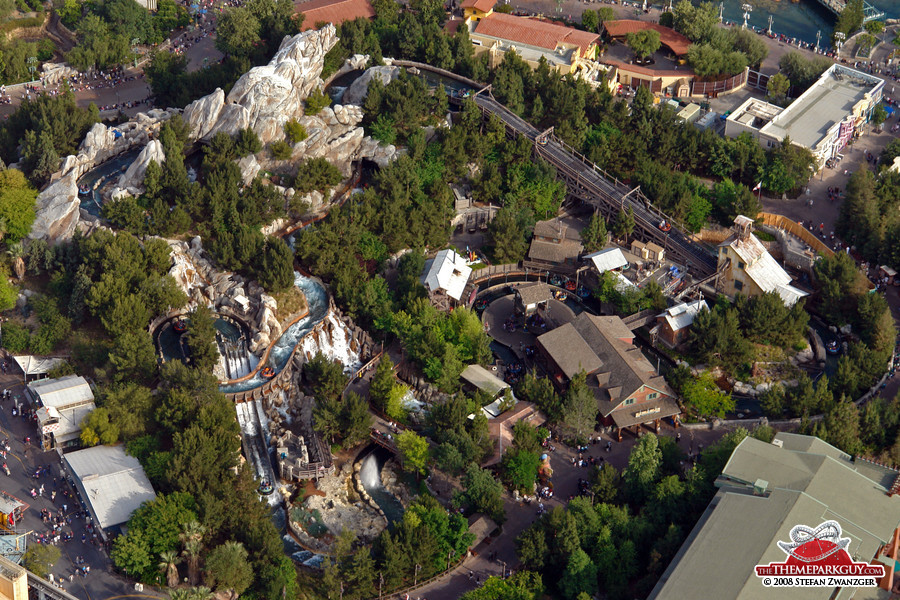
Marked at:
<point>483,379</point>
<point>65,392</point>
<point>111,482</point>
<point>608,260</point>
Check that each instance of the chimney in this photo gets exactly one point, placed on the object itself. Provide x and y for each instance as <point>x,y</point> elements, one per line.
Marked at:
<point>759,487</point>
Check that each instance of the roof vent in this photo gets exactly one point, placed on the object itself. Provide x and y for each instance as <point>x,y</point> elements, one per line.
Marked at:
<point>778,443</point>
<point>759,488</point>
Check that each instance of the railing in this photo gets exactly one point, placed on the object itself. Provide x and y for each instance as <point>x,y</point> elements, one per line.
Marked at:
<point>45,588</point>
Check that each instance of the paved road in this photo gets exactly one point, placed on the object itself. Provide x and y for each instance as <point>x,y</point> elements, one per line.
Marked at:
<point>101,583</point>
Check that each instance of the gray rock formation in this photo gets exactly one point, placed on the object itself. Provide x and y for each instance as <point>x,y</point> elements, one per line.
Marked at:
<point>266,97</point>
<point>200,115</point>
<point>57,210</point>
<point>249,168</point>
<point>132,180</point>
<point>358,90</point>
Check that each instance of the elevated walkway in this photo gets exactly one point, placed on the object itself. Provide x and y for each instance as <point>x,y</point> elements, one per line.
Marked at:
<point>871,13</point>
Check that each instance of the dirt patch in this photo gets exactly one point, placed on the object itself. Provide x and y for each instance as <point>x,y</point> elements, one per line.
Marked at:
<point>309,489</point>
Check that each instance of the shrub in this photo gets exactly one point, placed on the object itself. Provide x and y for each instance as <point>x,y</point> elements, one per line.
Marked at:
<point>280,150</point>
<point>295,131</point>
<point>16,338</point>
<point>247,142</point>
<point>316,101</point>
<point>317,174</point>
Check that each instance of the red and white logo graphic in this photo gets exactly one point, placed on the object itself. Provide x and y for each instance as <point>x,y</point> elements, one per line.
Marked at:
<point>818,558</point>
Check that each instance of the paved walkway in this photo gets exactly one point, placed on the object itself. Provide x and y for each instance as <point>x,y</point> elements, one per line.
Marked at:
<point>23,460</point>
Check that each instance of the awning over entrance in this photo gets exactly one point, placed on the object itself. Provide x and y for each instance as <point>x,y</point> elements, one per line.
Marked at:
<point>646,412</point>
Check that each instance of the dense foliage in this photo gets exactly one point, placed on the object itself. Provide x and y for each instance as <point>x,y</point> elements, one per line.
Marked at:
<point>48,128</point>
<point>619,544</point>
<point>106,31</point>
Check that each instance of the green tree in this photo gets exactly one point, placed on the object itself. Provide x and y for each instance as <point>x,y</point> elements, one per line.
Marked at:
<point>325,377</point>
<point>317,174</point>
<point>643,43</point>
<point>623,226</point>
<point>590,20</point>
<point>644,467</point>
<point>356,422</point>
<point>96,428</point>
<point>778,88</point>
<point>523,585</point>
<point>201,338</point>
<point>580,576</point>
<point>507,237</point>
<point>168,565</point>
<point>280,150</point>
<point>413,451</point>
<point>383,383</point>
<point>705,397</point>
<point>594,235</point>
<point>483,493</point>
<point>237,31</point>
<point>133,358</point>
<point>580,410</point>
<point>295,131</point>
<point>41,558</point>
<point>17,200</point>
<point>228,568</point>
<point>316,101</point>
<point>130,553</point>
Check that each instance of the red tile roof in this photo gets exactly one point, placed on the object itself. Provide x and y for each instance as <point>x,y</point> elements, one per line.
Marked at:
<point>482,5</point>
<point>333,11</point>
<point>533,32</point>
<point>670,38</point>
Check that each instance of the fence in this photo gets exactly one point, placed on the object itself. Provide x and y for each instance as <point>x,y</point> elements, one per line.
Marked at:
<point>785,224</point>
<point>714,88</point>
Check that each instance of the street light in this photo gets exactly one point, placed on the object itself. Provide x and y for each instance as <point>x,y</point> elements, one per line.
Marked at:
<point>134,49</point>
<point>771,18</point>
<point>416,575</point>
<point>747,10</point>
<point>839,37</point>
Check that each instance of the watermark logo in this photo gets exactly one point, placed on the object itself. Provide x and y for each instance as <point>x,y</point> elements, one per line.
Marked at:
<point>818,558</point>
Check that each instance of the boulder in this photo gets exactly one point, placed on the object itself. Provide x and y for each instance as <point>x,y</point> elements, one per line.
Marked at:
<point>133,178</point>
<point>98,140</point>
<point>357,91</point>
<point>249,168</point>
<point>57,210</point>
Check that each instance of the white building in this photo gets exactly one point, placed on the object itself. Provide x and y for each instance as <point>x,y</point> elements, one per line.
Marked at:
<point>63,404</point>
<point>609,259</point>
<point>823,119</point>
<point>447,273</point>
<point>111,483</point>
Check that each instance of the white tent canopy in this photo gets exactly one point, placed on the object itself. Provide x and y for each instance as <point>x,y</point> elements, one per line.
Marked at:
<point>36,365</point>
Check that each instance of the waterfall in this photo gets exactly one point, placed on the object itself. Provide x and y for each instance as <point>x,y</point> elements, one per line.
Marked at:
<point>370,473</point>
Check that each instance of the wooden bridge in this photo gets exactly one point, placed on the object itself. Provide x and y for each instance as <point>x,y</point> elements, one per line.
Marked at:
<point>589,184</point>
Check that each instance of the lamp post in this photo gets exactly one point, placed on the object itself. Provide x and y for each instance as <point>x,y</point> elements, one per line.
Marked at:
<point>721,11</point>
<point>503,573</point>
<point>134,49</point>
<point>771,18</point>
<point>32,60</point>
<point>839,38</point>
<point>416,575</point>
<point>747,10</point>
<point>818,39</point>
<point>380,583</point>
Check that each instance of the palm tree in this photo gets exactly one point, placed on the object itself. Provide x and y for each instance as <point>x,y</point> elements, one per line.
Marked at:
<point>192,540</point>
<point>194,593</point>
<point>168,562</point>
<point>16,252</point>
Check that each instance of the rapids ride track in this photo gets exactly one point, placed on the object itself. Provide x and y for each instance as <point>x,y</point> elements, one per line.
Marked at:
<point>588,183</point>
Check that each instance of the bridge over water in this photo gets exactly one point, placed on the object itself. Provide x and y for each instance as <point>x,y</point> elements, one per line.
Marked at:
<point>837,7</point>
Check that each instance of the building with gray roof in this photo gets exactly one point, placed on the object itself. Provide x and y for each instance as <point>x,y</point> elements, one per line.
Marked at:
<point>823,119</point>
<point>764,491</point>
<point>628,389</point>
<point>111,483</point>
<point>63,405</point>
